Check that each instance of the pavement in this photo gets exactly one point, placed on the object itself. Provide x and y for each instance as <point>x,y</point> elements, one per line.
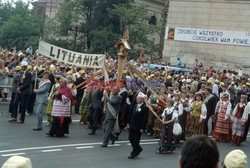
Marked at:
<point>78,149</point>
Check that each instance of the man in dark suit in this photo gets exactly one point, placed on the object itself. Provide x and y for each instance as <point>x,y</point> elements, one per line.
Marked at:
<point>80,91</point>
<point>210,102</point>
<point>95,106</point>
<point>138,118</point>
<point>25,89</point>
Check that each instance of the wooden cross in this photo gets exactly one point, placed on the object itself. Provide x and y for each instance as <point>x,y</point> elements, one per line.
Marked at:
<point>123,48</point>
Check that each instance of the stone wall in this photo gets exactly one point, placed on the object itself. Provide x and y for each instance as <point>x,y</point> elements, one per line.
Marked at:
<point>209,14</point>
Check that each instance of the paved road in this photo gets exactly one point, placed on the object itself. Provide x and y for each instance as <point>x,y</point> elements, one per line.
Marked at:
<point>79,149</point>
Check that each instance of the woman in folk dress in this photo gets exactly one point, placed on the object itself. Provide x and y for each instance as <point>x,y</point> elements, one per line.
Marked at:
<point>195,123</point>
<point>223,130</point>
<point>239,119</point>
<point>169,116</point>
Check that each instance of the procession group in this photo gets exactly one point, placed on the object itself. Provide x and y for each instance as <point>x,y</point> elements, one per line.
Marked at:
<point>194,100</point>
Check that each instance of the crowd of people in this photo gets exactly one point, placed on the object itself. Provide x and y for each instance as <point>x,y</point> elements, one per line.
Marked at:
<point>192,100</point>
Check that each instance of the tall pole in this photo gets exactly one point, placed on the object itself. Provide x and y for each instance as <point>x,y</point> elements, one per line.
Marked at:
<point>164,16</point>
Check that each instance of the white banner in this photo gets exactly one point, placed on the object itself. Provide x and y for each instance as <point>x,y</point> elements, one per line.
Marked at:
<point>209,36</point>
<point>71,57</point>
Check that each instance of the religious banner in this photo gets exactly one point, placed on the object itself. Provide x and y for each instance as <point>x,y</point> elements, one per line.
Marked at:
<point>71,57</point>
<point>208,36</point>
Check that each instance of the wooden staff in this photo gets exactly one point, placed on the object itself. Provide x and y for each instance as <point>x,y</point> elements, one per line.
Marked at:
<point>156,92</point>
<point>36,75</point>
<point>98,73</point>
<point>147,103</point>
<point>152,110</point>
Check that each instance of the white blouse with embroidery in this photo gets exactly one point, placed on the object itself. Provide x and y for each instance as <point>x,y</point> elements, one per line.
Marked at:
<point>168,111</point>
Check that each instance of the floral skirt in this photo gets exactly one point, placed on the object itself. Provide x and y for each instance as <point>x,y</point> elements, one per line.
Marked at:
<point>193,127</point>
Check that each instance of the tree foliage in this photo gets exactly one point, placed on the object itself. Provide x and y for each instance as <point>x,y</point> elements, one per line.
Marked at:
<point>96,25</point>
<point>19,27</point>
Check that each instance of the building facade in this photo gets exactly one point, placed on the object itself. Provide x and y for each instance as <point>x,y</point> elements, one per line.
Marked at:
<point>46,8</point>
<point>221,15</point>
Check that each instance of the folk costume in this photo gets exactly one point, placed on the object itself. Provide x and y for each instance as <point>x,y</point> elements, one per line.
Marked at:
<point>61,112</point>
<point>165,145</point>
<point>84,107</point>
<point>195,120</point>
<point>239,119</point>
<point>223,130</point>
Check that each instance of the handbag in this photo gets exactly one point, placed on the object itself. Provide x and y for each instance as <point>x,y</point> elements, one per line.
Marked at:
<point>177,130</point>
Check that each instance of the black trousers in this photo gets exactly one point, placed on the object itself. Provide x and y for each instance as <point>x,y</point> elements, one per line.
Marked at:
<point>78,102</point>
<point>246,128</point>
<point>24,103</point>
<point>16,102</point>
<point>134,138</point>
<point>12,102</point>
<point>206,124</point>
<point>30,106</point>
<point>93,118</point>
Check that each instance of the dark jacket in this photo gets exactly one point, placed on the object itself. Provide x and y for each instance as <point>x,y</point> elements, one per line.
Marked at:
<point>138,119</point>
<point>77,82</point>
<point>95,99</point>
<point>52,81</point>
<point>211,105</point>
<point>26,84</point>
<point>124,96</point>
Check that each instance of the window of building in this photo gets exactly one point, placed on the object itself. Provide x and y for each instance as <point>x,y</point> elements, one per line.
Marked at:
<point>152,20</point>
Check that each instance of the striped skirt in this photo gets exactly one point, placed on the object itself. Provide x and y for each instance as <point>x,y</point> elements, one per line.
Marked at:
<point>61,109</point>
<point>222,130</point>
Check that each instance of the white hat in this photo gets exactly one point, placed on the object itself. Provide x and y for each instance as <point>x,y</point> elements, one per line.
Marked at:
<point>24,63</point>
<point>141,95</point>
<point>52,67</point>
<point>236,159</point>
<point>189,80</point>
<point>17,162</point>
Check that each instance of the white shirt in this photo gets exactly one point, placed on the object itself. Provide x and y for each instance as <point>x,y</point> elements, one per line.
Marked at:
<point>169,110</point>
<point>228,111</point>
<point>245,113</point>
<point>180,108</point>
<point>215,90</point>
<point>138,107</point>
<point>247,108</point>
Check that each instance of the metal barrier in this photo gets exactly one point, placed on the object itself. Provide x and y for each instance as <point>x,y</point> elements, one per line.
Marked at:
<point>7,88</point>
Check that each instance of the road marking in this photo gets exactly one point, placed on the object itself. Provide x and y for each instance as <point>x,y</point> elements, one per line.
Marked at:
<point>85,147</point>
<point>68,145</point>
<point>13,154</point>
<point>114,145</point>
<point>144,140</point>
<point>72,121</point>
<point>52,150</point>
<point>148,143</point>
<point>144,143</point>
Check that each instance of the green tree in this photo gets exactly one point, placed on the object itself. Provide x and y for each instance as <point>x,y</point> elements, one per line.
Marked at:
<point>19,27</point>
<point>96,25</point>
